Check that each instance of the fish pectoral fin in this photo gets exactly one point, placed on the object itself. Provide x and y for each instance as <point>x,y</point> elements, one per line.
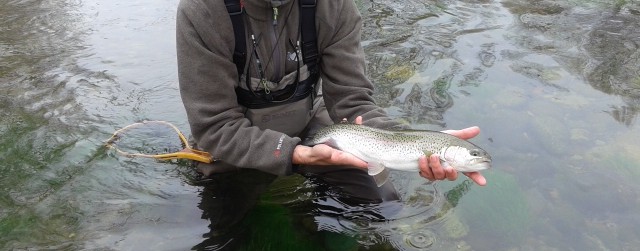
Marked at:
<point>379,173</point>
<point>375,168</point>
<point>427,153</point>
<point>381,177</point>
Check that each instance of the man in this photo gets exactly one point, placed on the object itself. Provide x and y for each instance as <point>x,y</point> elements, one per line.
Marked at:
<point>253,88</point>
<point>268,139</point>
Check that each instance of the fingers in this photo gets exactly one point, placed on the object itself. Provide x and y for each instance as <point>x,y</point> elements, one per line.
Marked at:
<point>358,120</point>
<point>325,155</point>
<point>431,169</point>
<point>425,171</point>
<point>436,168</point>
<point>451,174</point>
<point>466,133</point>
<point>338,157</point>
<point>477,178</point>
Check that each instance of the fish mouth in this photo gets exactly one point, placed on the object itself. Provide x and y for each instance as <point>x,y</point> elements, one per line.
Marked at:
<point>482,164</point>
<point>485,164</point>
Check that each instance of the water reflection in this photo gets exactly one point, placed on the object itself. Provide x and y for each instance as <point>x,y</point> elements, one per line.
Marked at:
<point>613,49</point>
<point>331,220</point>
<point>414,58</point>
<point>427,106</point>
<point>225,201</point>
<point>626,115</point>
<point>597,40</point>
<point>42,127</point>
<point>58,103</point>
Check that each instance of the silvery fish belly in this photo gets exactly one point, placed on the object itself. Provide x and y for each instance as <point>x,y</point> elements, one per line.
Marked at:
<point>400,150</point>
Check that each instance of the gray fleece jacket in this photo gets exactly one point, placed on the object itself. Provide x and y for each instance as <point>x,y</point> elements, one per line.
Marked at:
<point>208,76</point>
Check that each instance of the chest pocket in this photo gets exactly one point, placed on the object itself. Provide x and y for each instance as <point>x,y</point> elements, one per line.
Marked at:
<point>285,106</point>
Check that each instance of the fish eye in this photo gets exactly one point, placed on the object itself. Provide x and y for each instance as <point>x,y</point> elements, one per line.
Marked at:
<point>475,153</point>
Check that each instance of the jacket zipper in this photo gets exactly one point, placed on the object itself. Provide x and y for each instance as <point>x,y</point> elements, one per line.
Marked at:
<point>277,64</point>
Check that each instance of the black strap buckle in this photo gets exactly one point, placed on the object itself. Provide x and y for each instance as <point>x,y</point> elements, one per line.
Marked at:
<point>234,8</point>
<point>308,3</point>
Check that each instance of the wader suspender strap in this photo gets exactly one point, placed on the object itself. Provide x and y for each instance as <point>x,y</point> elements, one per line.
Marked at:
<point>308,34</point>
<point>235,9</point>
<point>307,27</point>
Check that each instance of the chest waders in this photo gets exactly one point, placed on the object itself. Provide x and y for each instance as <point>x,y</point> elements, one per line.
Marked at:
<point>286,106</point>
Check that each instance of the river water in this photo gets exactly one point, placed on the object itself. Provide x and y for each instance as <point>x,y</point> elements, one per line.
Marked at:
<point>554,86</point>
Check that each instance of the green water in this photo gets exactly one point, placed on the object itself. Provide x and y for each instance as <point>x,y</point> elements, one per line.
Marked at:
<point>553,85</point>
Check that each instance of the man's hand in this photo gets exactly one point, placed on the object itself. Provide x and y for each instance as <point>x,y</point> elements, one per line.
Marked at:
<point>325,155</point>
<point>431,169</point>
<point>322,154</point>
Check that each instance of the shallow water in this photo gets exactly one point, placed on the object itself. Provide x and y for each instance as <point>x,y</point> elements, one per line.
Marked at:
<point>554,86</point>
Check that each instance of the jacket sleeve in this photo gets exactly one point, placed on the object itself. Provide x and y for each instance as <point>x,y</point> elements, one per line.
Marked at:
<point>207,77</point>
<point>346,89</point>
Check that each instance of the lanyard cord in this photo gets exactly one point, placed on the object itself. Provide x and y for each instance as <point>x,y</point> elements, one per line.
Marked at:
<point>261,72</point>
<point>275,46</point>
<point>263,81</point>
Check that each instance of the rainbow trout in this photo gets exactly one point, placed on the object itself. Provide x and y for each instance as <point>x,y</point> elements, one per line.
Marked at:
<point>400,150</point>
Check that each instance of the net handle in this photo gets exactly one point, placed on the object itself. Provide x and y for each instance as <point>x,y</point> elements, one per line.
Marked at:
<point>187,153</point>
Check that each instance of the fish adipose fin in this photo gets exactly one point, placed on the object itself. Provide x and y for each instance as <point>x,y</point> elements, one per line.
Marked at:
<point>379,173</point>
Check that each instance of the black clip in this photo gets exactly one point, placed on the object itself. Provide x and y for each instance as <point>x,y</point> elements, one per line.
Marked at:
<point>308,3</point>
<point>234,8</point>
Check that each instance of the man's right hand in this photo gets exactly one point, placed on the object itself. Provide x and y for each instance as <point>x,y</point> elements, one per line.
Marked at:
<point>323,155</point>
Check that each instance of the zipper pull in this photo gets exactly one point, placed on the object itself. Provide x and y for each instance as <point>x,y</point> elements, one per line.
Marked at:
<point>275,16</point>
<point>267,92</point>
<point>263,82</point>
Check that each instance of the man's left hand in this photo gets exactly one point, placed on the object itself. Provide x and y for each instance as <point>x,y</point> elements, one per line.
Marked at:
<point>431,169</point>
